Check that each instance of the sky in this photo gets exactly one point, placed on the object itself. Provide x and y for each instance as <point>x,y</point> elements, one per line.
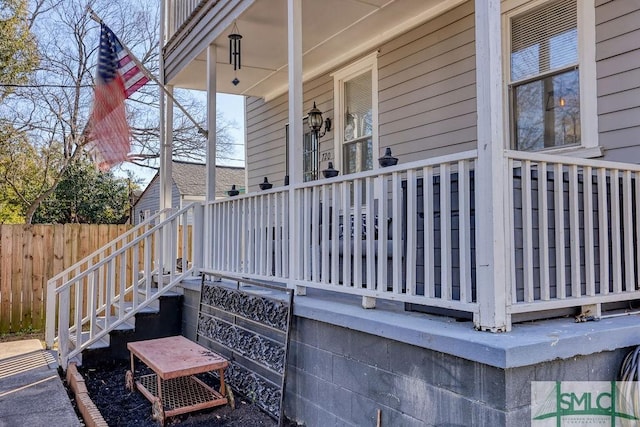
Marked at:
<point>232,107</point>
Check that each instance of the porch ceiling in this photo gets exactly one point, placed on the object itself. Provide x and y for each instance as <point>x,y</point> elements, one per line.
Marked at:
<point>334,31</point>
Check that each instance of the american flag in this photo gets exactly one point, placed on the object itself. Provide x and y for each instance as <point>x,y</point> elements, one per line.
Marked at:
<point>118,77</point>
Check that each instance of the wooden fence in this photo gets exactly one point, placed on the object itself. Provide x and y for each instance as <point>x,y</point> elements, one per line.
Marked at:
<point>31,255</point>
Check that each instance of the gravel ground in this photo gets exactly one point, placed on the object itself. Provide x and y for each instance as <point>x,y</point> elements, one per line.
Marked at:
<point>120,407</point>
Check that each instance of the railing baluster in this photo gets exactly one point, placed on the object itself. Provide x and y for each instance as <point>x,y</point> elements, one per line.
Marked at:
<point>574,231</point>
<point>324,245</point>
<point>616,241</point>
<point>93,284</point>
<point>229,235</point>
<point>603,228</point>
<point>123,283</point>
<point>629,282</point>
<point>335,234</point>
<point>357,233</point>
<point>428,223</point>
<point>396,226</point>
<point>63,324</point>
<point>79,309</point>
<point>558,194</point>
<point>464,233</point>
<point>371,234</point>
<point>306,227</point>
<point>109,290</point>
<point>285,233</point>
<point>253,250</point>
<point>185,240</point>
<point>527,230</point>
<point>246,206</point>
<point>412,232</point>
<point>445,232</point>
<point>315,235</point>
<point>346,234</point>
<point>383,234</point>
<point>589,230</point>
<point>236,239</point>
<point>270,235</point>
<point>543,231</point>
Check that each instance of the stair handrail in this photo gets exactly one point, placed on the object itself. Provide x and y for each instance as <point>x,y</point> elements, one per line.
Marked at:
<point>129,315</point>
<point>53,293</point>
<point>117,252</point>
<point>109,245</point>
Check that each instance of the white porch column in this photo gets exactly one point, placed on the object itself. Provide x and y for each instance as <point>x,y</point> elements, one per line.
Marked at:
<point>207,221</point>
<point>166,148</point>
<point>166,151</point>
<point>211,122</point>
<point>166,119</point>
<point>493,281</point>
<point>294,42</point>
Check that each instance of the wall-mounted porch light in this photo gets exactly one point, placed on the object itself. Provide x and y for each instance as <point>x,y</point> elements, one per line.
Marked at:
<point>316,122</point>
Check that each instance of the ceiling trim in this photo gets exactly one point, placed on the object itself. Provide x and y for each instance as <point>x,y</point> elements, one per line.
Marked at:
<point>372,44</point>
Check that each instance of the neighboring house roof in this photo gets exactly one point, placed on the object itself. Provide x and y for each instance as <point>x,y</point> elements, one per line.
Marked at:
<point>191,179</point>
<point>226,176</point>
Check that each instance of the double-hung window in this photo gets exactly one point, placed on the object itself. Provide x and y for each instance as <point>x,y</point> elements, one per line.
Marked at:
<point>545,76</point>
<point>355,89</point>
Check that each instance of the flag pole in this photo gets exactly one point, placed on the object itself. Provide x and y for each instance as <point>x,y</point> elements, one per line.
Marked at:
<point>147,73</point>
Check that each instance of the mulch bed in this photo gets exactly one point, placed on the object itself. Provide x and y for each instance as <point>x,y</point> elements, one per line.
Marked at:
<point>120,407</point>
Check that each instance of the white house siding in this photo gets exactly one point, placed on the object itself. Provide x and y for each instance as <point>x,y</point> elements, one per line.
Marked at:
<point>266,135</point>
<point>426,84</point>
<point>149,200</point>
<point>618,74</point>
<point>426,99</point>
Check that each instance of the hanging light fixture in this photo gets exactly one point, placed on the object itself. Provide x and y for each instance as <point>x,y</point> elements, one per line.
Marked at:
<point>316,122</point>
<point>235,51</point>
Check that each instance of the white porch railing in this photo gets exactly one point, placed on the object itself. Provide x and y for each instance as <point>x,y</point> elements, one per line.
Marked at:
<point>249,235</point>
<point>99,293</point>
<point>400,233</point>
<point>181,11</point>
<point>575,231</point>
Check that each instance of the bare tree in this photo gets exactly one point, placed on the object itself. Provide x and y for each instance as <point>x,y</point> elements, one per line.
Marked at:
<point>52,110</point>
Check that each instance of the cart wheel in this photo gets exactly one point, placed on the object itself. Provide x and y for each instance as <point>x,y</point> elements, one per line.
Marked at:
<point>157,412</point>
<point>230,398</point>
<point>128,380</point>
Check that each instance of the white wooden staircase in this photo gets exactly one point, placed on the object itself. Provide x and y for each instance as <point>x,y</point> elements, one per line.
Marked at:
<point>117,294</point>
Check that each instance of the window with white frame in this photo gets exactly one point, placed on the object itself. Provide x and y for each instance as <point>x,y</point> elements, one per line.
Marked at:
<point>545,77</point>
<point>356,115</point>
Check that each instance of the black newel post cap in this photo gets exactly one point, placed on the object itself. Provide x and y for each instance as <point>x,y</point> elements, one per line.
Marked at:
<point>233,191</point>
<point>265,185</point>
<point>330,172</point>
<point>387,159</point>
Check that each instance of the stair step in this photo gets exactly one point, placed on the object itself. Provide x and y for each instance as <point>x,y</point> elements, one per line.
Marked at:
<point>101,343</point>
<point>128,306</point>
<point>126,326</point>
<point>143,291</point>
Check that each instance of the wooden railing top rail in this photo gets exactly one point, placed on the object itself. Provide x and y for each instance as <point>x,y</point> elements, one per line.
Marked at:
<point>113,254</point>
<point>434,161</point>
<point>465,155</point>
<point>556,158</point>
<point>107,246</point>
